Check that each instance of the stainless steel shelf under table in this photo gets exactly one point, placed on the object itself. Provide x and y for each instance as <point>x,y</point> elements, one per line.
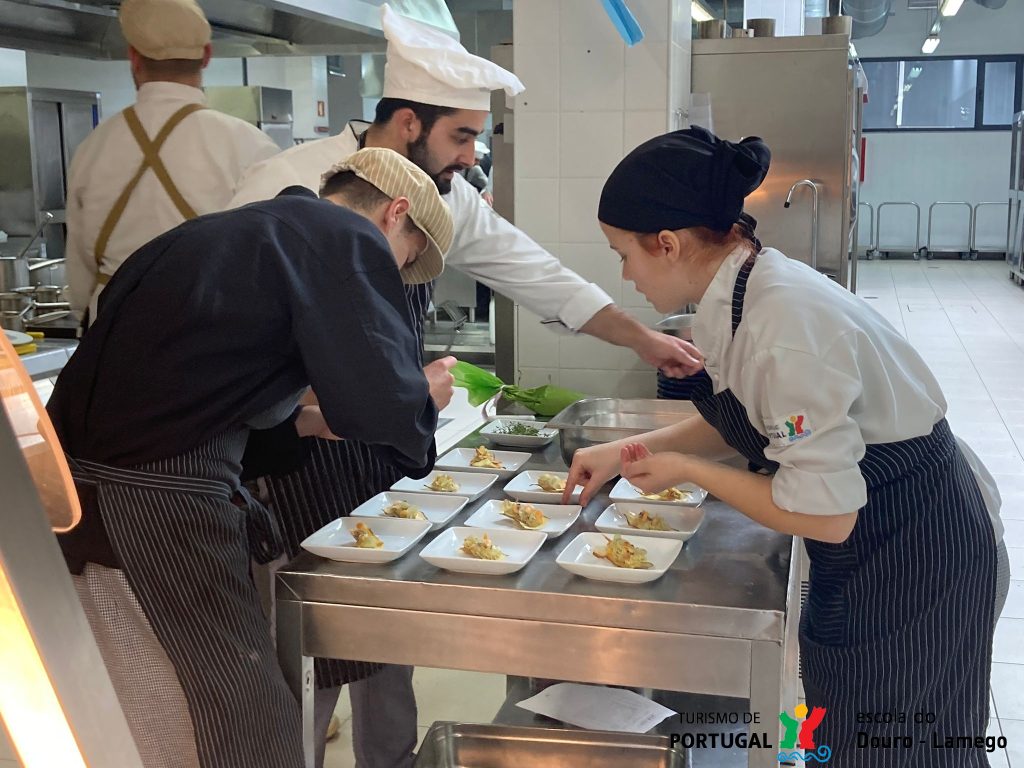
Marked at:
<point>722,621</point>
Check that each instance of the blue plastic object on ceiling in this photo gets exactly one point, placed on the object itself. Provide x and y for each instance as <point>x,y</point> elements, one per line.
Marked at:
<point>624,21</point>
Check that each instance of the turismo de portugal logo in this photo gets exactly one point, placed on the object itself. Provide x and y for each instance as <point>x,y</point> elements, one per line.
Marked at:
<point>800,736</point>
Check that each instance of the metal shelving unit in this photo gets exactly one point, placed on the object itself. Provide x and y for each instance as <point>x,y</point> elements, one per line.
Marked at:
<point>1015,216</point>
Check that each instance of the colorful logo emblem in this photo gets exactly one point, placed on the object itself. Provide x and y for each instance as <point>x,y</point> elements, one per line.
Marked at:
<point>799,736</point>
<point>795,425</point>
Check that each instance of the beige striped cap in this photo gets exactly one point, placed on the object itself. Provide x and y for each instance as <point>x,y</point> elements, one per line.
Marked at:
<point>396,176</point>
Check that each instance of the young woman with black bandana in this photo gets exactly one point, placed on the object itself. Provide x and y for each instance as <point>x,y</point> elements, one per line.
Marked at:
<point>847,424</point>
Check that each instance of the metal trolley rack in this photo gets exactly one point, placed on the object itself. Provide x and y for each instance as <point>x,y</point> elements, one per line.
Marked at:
<point>992,247</point>
<point>1014,222</point>
<point>886,249</point>
<point>963,247</point>
<point>869,246</point>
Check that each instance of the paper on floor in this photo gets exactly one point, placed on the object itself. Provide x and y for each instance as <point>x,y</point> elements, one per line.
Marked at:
<point>597,707</point>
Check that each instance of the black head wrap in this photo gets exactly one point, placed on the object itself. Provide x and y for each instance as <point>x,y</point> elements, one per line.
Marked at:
<point>687,178</point>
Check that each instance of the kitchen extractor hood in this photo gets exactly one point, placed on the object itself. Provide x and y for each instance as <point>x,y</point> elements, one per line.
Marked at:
<point>89,29</point>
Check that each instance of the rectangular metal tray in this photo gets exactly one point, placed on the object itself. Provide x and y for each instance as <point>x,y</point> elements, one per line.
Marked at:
<point>463,745</point>
<point>595,420</point>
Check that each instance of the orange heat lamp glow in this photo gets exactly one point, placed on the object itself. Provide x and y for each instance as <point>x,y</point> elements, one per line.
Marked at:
<point>28,703</point>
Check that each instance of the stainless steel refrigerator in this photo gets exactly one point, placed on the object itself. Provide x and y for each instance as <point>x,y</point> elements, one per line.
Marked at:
<point>269,109</point>
<point>800,95</point>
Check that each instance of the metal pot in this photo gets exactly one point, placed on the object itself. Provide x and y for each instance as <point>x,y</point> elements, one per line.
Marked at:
<point>13,273</point>
<point>837,25</point>
<point>14,306</point>
<point>15,301</point>
<point>762,27</point>
<point>678,325</point>
<point>712,29</point>
<point>48,294</point>
<point>47,272</point>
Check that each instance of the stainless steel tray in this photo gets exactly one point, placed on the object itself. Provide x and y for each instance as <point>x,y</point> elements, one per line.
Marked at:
<point>461,745</point>
<point>597,420</point>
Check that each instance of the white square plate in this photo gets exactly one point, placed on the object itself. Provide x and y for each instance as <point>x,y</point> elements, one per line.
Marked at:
<point>684,521</point>
<point>438,508</point>
<point>560,518</point>
<point>334,541</point>
<point>471,484</point>
<point>625,491</point>
<point>445,551</point>
<point>523,487</point>
<point>459,458</point>
<point>518,441</point>
<point>578,557</point>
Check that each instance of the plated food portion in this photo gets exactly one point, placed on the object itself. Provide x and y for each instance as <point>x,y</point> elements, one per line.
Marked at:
<point>438,509</point>
<point>625,559</point>
<point>540,487</point>
<point>686,494</point>
<point>518,433</point>
<point>468,484</point>
<point>505,514</point>
<point>356,540</point>
<point>482,459</point>
<point>645,519</point>
<point>470,550</point>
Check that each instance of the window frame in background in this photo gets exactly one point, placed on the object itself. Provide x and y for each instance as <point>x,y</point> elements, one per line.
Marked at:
<point>979,98</point>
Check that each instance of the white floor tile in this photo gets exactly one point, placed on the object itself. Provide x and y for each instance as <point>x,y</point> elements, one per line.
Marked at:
<point>1008,644</point>
<point>1013,730</point>
<point>1008,690</point>
<point>1014,607</point>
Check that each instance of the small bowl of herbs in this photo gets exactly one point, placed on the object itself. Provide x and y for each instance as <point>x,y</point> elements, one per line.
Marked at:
<point>518,433</point>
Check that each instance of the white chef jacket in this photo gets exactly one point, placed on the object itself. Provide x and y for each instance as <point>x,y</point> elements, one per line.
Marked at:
<point>486,247</point>
<point>205,155</point>
<point>812,354</point>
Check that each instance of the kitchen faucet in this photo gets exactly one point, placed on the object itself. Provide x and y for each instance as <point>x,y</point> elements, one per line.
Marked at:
<point>815,188</point>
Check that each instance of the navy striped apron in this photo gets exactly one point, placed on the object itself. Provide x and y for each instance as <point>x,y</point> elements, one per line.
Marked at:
<point>184,538</point>
<point>899,618</point>
<point>338,476</point>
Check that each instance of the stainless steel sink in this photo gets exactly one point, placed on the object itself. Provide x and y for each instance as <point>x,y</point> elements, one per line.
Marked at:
<point>472,343</point>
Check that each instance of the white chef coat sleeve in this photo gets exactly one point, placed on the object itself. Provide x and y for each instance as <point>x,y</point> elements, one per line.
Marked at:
<point>264,180</point>
<point>79,260</point>
<point>803,403</point>
<point>491,250</point>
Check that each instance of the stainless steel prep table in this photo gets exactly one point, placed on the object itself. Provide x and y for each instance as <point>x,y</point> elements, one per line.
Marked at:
<point>722,621</point>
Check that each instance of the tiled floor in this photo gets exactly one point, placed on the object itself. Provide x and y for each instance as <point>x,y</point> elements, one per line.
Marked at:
<point>967,320</point>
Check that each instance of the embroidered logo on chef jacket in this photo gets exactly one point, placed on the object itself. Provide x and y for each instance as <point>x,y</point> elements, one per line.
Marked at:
<point>783,431</point>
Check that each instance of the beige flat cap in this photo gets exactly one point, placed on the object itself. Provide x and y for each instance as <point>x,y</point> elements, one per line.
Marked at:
<point>165,29</point>
<point>397,176</point>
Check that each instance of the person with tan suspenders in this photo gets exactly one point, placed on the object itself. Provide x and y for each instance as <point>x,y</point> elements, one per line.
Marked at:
<point>164,160</point>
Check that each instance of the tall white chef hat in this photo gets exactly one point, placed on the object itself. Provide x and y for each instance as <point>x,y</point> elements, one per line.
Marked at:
<point>426,65</point>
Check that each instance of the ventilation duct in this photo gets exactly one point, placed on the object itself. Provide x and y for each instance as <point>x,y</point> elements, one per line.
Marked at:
<point>869,16</point>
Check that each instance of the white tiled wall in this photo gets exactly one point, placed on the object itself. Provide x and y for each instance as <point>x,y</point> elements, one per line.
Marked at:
<point>589,100</point>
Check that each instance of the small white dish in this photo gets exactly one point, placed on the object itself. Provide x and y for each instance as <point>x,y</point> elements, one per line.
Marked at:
<point>438,508</point>
<point>493,432</point>
<point>334,541</point>
<point>523,487</point>
<point>471,484</point>
<point>684,521</point>
<point>17,338</point>
<point>560,518</point>
<point>459,458</point>
<point>578,557</point>
<point>445,551</point>
<point>626,491</point>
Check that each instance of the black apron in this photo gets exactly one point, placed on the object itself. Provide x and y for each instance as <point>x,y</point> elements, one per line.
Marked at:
<point>899,618</point>
<point>184,536</point>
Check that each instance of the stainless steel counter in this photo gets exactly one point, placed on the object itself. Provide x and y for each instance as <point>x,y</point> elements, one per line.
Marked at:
<point>721,621</point>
